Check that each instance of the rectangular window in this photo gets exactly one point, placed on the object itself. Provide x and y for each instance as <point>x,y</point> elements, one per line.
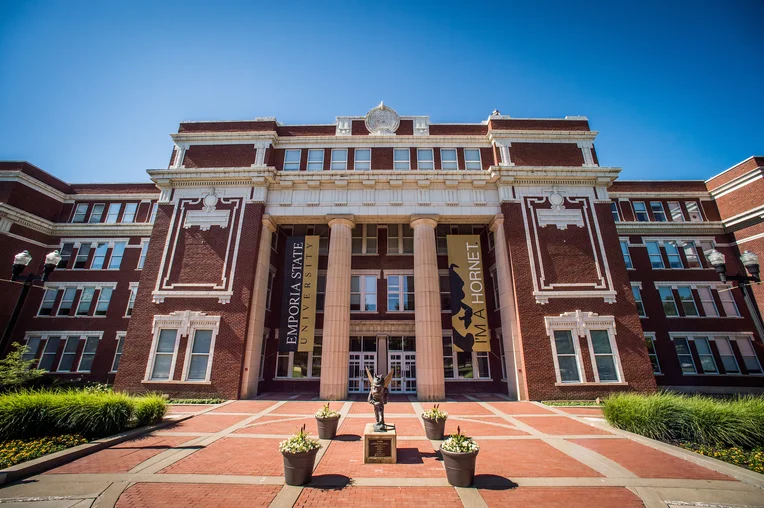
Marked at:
<point>300,364</point>
<point>448,358</point>
<point>669,304</point>
<point>728,301</point>
<point>491,241</point>
<point>48,300</point>
<point>66,255</point>
<point>672,252</point>
<point>567,356</point>
<point>320,293</point>
<point>104,297</point>
<point>113,214</point>
<point>364,239</point>
<point>200,356</point>
<point>316,159</point>
<point>67,302</point>
<point>261,370</point>
<point>129,215</point>
<point>362,157</point>
<point>472,159</point>
<point>99,257</point>
<point>707,301</point>
<point>116,255</point>
<point>83,252</point>
<point>80,212</point>
<point>502,355</point>
<point>694,211</point>
<point>400,239</point>
<point>614,211</point>
<point>687,300</point>
<point>96,214</point>
<point>144,252</point>
<point>495,287</point>
<point>131,300</point>
<point>707,361</point>
<point>684,355</point>
<point>750,360</point>
<point>448,160</point>
<point>425,159</point>
<point>467,365</point>
<point>31,348</point>
<point>49,353</point>
<point>727,355</point>
<point>401,158</point>
<point>640,211</point>
<point>70,351</point>
<point>691,254</point>
<point>626,254</point>
<point>269,289</point>
<point>164,354</point>
<point>363,293</point>
<point>88,354</point>
<point>400,293</point>
<point>118,353</point>
<point>339,159</point>
<point>638,300</point>
<point>652,353</point>
<point>675,209</point>
<point>292,160</point>
<point>445,293</point>
<point>604,359</point>
<point>659,214</point>
<point>153,216</point>
<point>86,299</point>
<point>654,251</point>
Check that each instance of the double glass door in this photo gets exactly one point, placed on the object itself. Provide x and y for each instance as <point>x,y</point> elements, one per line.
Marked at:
<point>358,382</point>
<point>402,361</point>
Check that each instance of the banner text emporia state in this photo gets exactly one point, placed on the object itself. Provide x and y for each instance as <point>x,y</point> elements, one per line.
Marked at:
<point>298,306</point>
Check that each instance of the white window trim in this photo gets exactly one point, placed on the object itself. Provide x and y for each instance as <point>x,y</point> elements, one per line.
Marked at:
<point>271,276</point>
<point>399,237</point>
<point>63,335</point>
<point>118,207</point>
<point>408,160</point>
<point>84,340</point>
<point>610,330</point>
<point>662,210</point>
<point>687,337</point>
<point>42,302</point>
<point>456,159</point>
<point>189,347</point>
<point>118,336</point>
<point>299,159</point>
<point>92,210</point>
<point>135,213</point>
<point>455,362</point>
<point>628,251</point>
<point>290,364</point>
<point>355,159</point>
<point>711,336</point>
<point>308,161</point>
<point>729,344</point>
<point>332,161</point>
<point>466,162</point>
<point>652,337</point>
<point>646,212</point>
<point>638,285</point>
<point>141,255</point>
<point>386,274</point>
<point>362,289</point>
<point>133,287</point>
<point>84,214</point>
<point>364,238</point>
<point>751,340</point>
<point>431,161</point>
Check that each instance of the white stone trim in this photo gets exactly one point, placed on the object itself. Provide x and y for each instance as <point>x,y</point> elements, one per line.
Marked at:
<point>730,168</point>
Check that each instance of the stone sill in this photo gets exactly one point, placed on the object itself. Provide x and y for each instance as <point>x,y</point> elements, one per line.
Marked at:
<point>173,382</point>
<point>469,380</point>
<point>592,384</point>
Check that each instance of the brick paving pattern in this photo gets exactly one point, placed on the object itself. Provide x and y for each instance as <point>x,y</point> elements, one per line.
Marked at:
<point>190,495</point>
<point>398,497</point>
<point>568,497</point>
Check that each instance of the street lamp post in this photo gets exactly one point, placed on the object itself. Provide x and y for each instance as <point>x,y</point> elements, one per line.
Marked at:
<point>751,263</point>
<point>20,262</point>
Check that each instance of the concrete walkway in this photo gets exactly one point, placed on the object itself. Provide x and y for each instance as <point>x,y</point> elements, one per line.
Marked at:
<point>531,455</point>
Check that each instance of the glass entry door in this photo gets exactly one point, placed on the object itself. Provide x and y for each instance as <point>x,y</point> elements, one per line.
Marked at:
<point>402,361</point>
<point>357,380</point>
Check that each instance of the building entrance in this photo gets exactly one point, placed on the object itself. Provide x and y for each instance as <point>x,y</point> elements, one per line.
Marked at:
<point>363,354</point>
<point>402,361</point>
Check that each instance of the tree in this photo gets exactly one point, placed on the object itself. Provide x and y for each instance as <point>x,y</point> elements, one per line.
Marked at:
<point>15,371</point>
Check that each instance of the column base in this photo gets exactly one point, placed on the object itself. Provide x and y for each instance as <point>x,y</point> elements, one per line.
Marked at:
<point>430,393</point>
<point>334,392</point>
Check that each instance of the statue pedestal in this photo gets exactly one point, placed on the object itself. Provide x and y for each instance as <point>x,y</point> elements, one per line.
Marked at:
<point>379,447</point>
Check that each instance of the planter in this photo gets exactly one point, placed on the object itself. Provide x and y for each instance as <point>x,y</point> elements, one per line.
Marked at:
<point>298,467</point>
<point>327,427</point>
<point>434,429</point>
<point>460,467</point>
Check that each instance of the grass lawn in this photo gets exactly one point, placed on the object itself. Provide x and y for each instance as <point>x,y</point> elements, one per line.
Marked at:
<point>15,451</point>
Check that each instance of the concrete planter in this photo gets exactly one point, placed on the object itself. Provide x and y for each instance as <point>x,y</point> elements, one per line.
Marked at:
<point>298,467</point>
<point>434,429</point>
<point>327,427</point>
<point>460,467</point>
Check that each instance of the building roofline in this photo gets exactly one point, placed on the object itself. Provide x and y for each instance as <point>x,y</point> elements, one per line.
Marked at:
<point>734,166</point>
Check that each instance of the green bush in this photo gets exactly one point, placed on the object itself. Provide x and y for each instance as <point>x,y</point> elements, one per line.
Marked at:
<point>209,400</point>
<point>698,419</point>
<point>34,413</point>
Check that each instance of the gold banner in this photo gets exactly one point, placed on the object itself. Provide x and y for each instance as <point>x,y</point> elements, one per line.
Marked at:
<point>469,314</point>
<point>309,286</point>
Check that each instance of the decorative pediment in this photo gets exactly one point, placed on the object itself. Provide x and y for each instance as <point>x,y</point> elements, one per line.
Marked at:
<point>382,121</point>
<point>208,216</point>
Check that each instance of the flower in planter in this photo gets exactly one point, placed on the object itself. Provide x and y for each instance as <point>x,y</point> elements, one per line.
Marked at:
<point>459,443</point>
<point>325,412</point>
<point>435,413</point>
<point>299,443</point>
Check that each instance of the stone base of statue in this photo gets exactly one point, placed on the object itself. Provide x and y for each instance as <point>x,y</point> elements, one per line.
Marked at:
<point>380,447</point>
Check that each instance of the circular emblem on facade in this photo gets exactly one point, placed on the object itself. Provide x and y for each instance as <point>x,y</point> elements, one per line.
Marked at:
<point>382,121</point>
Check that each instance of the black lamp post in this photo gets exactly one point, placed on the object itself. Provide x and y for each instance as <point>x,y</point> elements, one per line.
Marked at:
<point>751,263</point>
<point>20,262</point>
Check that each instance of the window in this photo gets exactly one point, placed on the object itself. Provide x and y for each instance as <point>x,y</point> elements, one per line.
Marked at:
<point>604,359</point>
<point>362,159</point>
<point>445,293</point>
<point>464,365</point>
<point>86,299</point>
<point>424,158</point>
<point>472,159</point>
<point>323,236</point>
<point>638,300</point>
<point>70,351</point>
<point>118,353</point>
<point>448,160</point>
<point>656,260</point>
<point>113,214</point>
<point>400,293</point>
<point>199,365</point>
<point>104,297</point>
<point>153,216</point>
<point>116,255</point>
<point>292,160</point>
<point>164,354</point>
<point>707,361</point>
<point>269,289</point>
<point>316,159</point>
<point>684,355</point>
<point>567,356</point>
<point>320,293</point>
<point>88,354</point>
<point>750,360</point>
<point>675,209</point>
<point>640,211</point>
<point>400,239</point>
<point>300,364</point>
<point>728,302</point>
<point>32,346</point>
<point>363,293</point>
<point>694,211</point>
<point>83,252</point>
<point>49,353</point>
<point>491,241</point>
<point>80,212</point>
<point>727,355</point>
<point>691,254</point>
<point>687,300</point>
<point>129,215</point>
<point>66,255</point>
<point>99,258</point>
<point>614,211</point>
<point>144,252</point>
<point>495,286</point>
<point>626,254</point>
<point>672,252</point>
<point>401,158</point>
<point>652,353</point>
<point>48,300</point>
<point>502,355</point>
<point>707,301</point>
<point>364,239</point>
<point>339,159</point>
<point>96,214</point>
<point>659,214</point>
<point>131,300</point>
<point>67,302</point>
<point>667,298</point>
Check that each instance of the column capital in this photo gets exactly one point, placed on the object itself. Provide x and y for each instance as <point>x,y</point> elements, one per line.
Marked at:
<point>344,220</point>
<point>269,224</point>
<point>497,222</point>
<point>424,220</point>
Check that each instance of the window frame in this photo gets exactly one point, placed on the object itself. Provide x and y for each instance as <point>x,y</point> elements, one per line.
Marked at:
<point>112,214</point>
<point>356,160</point>
<point>692,257</point>
<point>474,361</point>
<point>153,215</point>
<point>709,354</point>
<point>726,297</point>
<point>636,291</point>
<point>117,255</point>
<point>400,237</point>
<point>99,256</point>
<point>293,165</point>
<point>684,300</point>
<point>676,212</point>
<point>48,340</point>
<point>120,336</point>
<point>726,340</point>
<point>190,354</point>
<point>626,253</point>
<point>363,293</point>
<point>444,162</point>
<point>96,213</point>
<point>76,340</point>
<point>80,211</point>
<point>317,344</point>
<point>615,211</point>
<point>670,291</point>
<point>131,299</point>
<point>657,209</point>
<point>576,354</point>
<point>104,298</point>
<point>48,290</point>
<point>693,207</point>
<point>153,354</point>
<point>652,256</point>
<point>269,287</point>
<point>63,299</point>
<point>84,352</point>
<point>703,302</point>
<point>650,337</point>
<point>90,292</point>
<point>639,213</point>
<point>420,161</point>
<point>332,161</point>
<point>689,353</point>
<point>128,214</point>
<point>672,251</point>
<point>401,292</point>
<point>143,255</point>
<point>83,254</point>
<point>749,339</point>
<point>311,164</point>
<point>399,162</point>
<point>613,353</point>
<point>65,256</point>
<point>365,236</point>
<point>477,163</point>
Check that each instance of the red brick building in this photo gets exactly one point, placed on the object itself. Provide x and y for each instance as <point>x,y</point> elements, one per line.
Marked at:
<point>591,284</point>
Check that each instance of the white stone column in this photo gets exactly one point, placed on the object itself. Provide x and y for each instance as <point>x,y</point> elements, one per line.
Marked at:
<point>430,382</point>
<point>510,328</point>
<point>335,353</point>
<point>256,325</point>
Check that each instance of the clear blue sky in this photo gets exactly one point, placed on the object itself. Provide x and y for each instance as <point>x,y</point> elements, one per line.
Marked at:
<point>89,91</point>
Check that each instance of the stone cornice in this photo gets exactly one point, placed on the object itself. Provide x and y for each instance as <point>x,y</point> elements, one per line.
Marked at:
<point>209,138</point>
<point>33,183</point>
<point>554,175</point>
<point>530,135</point>
<point>142,229</point>
<point>705,196</point>
<point>670,228</point>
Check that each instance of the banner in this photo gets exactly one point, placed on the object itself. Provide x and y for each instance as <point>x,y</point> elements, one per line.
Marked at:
<point>298,305</point>
<point>469,315</point>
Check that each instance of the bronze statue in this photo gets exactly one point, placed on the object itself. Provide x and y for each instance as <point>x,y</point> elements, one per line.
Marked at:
<point>378,398</point>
